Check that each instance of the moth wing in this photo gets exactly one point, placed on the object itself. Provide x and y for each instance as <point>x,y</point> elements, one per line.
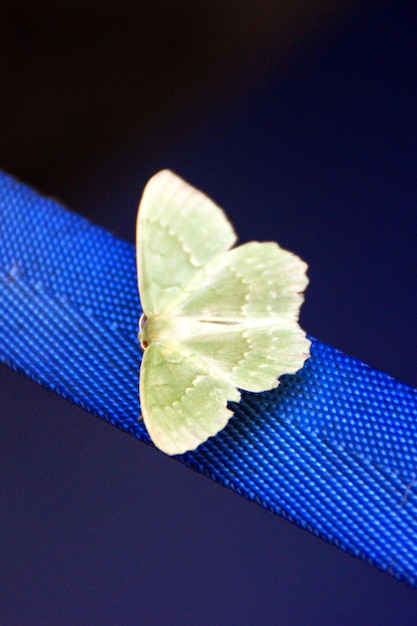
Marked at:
<point>252,356</point>
<point>253,282</point>
<point>249,307</point>
<point>179,230</point>
<point>183,399</point>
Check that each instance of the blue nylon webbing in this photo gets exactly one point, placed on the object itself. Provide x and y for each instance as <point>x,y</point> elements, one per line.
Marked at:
<point>333,449</point>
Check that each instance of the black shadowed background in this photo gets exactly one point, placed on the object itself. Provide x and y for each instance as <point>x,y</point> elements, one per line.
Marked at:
<point>299,118</point>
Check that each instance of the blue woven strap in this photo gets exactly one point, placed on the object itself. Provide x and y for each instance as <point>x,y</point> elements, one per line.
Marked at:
<point>333,449</point>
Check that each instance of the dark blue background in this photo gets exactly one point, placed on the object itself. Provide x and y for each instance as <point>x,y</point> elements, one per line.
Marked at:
<point>317,150</point>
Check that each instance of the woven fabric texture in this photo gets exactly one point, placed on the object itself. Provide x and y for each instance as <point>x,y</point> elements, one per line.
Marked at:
<point>333,449</point>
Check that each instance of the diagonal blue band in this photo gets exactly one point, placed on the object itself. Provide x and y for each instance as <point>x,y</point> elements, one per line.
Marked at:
<point>333,449</point>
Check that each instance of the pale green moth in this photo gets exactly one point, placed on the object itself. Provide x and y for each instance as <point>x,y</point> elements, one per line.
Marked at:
<point>215,319</point>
